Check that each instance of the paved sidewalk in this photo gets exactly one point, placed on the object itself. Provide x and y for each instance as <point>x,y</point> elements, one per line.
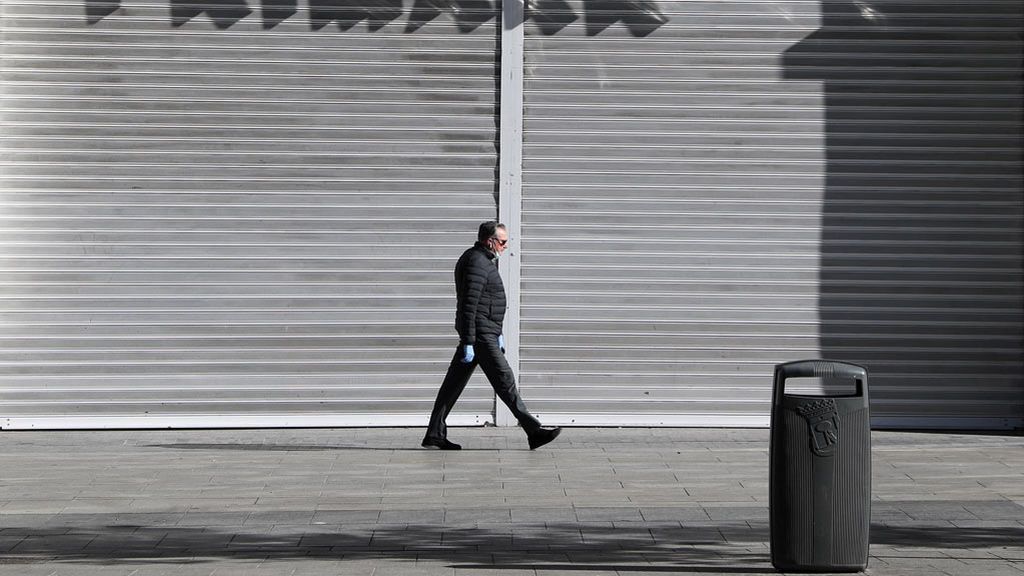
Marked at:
<point>370,502</point>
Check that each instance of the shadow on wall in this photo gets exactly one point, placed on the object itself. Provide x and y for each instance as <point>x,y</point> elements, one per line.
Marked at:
<point>641,17</point>
<point>921,231</point>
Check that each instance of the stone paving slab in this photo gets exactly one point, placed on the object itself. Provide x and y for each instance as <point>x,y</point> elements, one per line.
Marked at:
<point>370,502</point>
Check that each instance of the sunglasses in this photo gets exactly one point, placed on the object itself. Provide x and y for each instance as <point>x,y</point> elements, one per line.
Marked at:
<point>501,242</point>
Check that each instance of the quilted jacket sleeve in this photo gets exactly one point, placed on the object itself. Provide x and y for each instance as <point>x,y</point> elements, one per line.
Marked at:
<point>472,280</point>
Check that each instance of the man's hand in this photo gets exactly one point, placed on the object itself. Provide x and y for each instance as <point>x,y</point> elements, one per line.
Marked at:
<point>501,343</point>
<point>468,354</point>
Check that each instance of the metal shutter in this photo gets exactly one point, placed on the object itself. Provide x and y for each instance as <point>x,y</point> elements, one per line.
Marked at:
<point>222,215</point>
<point>714,187</point>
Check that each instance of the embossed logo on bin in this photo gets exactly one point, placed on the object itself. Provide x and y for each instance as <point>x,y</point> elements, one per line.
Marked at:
<point>822,418</point>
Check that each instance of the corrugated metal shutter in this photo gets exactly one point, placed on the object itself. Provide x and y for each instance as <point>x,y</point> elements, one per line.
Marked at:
<point>714,187</point>
<point>215,215</point>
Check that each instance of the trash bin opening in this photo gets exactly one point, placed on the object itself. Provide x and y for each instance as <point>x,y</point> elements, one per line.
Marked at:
<point>815,386</point>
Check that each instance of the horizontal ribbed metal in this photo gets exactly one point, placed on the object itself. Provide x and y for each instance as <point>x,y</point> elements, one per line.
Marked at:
<point>241,226</point>
<point>711,188</point>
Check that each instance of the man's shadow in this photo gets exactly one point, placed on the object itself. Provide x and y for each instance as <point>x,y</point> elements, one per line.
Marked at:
<point>922,225</point>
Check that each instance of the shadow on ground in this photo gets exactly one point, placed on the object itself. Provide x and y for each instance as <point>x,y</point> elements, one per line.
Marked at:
<point>726,547</point>
<point>288,447</point>
<point>951,537</point>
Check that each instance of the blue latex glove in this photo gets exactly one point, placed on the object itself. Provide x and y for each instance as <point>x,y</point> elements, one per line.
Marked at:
<point>501,342</point>
<point>468,354</point>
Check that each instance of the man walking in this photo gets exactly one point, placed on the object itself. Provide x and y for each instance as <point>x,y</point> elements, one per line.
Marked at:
<point>479,314</point>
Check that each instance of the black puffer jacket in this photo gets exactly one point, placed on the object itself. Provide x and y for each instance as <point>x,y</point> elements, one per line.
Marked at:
<point>481,295</point>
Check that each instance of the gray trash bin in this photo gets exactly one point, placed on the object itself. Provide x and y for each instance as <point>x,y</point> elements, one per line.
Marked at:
<point>820,472</point>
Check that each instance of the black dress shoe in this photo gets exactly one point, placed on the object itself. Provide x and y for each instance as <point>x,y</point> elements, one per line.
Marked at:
<point>440,443</point>
<point>542,437</point>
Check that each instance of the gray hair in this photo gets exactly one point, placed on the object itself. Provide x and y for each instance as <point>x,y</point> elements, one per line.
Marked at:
<point>488,230</point>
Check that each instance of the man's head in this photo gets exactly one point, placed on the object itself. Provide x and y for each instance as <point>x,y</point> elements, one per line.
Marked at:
<point>494,236</point>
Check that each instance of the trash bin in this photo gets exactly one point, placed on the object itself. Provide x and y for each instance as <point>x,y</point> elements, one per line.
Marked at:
<point>820,472</point>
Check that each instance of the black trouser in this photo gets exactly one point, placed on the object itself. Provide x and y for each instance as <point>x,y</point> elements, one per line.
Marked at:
<point>498,372</point>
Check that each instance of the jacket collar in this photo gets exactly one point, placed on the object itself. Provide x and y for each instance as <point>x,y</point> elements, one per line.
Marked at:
<point>487,251</point>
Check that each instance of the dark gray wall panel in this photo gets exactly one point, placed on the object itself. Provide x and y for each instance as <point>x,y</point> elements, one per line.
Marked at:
<point>714,187</point>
